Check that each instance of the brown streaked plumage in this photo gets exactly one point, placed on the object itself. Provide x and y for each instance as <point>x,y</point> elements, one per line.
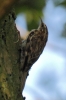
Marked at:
<point>35,44</point>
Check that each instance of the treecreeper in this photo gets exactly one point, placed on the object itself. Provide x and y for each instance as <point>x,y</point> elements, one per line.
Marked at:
<point>33,46</point>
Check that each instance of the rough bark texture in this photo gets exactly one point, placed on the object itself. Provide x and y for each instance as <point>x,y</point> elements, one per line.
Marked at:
<point>10,82</point>
<point>5,6</point>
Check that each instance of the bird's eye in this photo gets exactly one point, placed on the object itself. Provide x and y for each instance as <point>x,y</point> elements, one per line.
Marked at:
<point>44,25</point>
<point>31,33</point>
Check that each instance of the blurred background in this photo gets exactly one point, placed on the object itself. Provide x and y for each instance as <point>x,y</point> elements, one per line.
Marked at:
<point>47,77</point>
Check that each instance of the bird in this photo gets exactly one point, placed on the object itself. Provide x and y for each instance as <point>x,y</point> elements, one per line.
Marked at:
<point>33,46</point>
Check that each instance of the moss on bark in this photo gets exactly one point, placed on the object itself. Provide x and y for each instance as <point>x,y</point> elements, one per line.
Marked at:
<point>10,83</point>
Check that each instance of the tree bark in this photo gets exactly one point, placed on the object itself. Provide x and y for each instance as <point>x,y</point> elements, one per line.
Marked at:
<point>5,6</point>
<point>12,81</point>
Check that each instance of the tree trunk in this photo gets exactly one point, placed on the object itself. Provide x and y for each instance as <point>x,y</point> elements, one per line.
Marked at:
<point>11,79</point>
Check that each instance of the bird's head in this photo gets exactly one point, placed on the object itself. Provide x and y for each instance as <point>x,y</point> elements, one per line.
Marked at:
<point>42,27</point>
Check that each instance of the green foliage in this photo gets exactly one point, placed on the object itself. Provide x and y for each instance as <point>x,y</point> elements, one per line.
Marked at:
<point>63,3</point>
<point>32,10</point>
<point>60,2</point>
<point>29,5</point>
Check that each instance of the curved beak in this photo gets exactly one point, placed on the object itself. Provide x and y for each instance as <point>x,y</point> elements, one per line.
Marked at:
<point>42,24</point>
